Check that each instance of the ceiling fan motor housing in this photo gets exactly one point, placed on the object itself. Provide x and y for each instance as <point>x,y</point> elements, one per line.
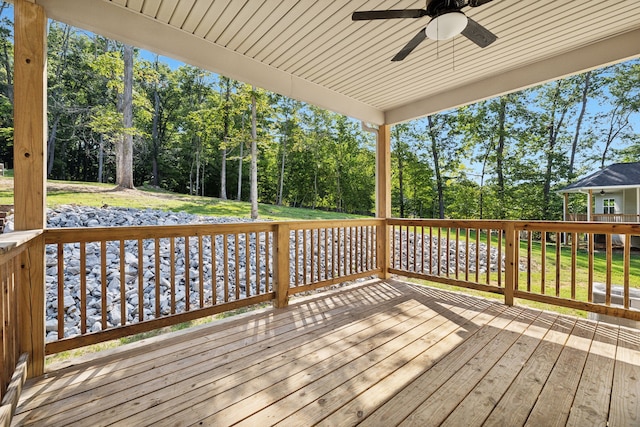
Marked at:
<point>440,7</point>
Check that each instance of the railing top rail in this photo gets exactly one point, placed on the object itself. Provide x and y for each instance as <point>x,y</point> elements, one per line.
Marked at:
<point>81,234</point>
<point>461,223</point>
<point>550,226</point>
<point>11,244</point>
<point>334,223</point>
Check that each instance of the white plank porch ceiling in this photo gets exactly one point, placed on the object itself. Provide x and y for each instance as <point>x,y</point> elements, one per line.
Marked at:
<point>311,50</point>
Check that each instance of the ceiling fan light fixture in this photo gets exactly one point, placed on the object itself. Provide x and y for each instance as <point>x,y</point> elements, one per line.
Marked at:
<point>447,25</point>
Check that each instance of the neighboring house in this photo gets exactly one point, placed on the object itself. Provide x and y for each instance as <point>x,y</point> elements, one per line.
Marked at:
<point>614,194</point>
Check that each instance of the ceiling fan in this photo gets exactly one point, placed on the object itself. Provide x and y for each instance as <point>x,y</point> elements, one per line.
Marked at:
<point>447,20</point>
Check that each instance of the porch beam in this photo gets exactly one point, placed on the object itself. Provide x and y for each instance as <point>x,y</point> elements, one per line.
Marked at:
<point>30,129</point>
<point>383,195</point>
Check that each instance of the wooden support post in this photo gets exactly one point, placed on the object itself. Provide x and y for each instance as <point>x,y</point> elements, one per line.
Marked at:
<point>281,265</point>
<point>31,306</point>
<point>383,196</point>
<point>30,129</point>
<point>511,262</point>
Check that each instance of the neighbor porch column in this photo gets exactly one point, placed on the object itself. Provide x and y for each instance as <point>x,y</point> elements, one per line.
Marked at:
<point>383,194</point>
<point>637,204</point>
<point>29,155</point>
<point>589,205</point>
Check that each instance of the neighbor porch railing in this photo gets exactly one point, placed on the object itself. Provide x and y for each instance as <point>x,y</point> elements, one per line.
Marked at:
<point>107,283</point>
<point>605,217</point>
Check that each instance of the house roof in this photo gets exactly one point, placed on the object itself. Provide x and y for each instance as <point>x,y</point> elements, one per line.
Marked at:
<point>312,51</point>
<point>616,175</point>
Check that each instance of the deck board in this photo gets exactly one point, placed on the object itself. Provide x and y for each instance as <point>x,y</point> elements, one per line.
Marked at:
<point>377,353</point>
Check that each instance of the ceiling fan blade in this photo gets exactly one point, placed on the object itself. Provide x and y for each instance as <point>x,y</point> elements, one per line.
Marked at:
<point>413,43</point>
<point>478,34</point>
<point>476,3</point>
<point>388,14</point>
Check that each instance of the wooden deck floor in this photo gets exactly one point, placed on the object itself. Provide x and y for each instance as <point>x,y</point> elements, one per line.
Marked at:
<point>376,354</point>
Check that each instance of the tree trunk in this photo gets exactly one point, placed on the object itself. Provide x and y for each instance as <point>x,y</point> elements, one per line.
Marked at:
<point>254,157</point>
<point>576,136</point>
<point>239,196</point>
<point>100,158</point>
<point>124,154</point>
<point>436,167</point>
<point>502,113</point>
<point>225,138</point>
<point>282,162</point>
<point>155,180</point>
<point>51,145</point>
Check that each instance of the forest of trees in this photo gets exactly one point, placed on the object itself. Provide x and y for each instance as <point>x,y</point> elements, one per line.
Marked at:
<point>192,131</point>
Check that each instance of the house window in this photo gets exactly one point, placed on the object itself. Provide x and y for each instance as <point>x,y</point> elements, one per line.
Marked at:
<point>609,206</point>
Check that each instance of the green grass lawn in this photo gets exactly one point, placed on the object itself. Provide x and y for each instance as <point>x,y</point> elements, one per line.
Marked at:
<point>95,194</point>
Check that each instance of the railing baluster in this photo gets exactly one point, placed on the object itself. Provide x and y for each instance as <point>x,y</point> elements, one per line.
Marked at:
<point>304,257</point>
<point>499,263</point>
<point>225,261</point>
<point>608,277</point>
<point>558,258</point>
<point>123,287</point>
<point>543,261</point>
<point>312,255</point>
<point>103,282</point>
<point>61,311</point>
<point>201,272</point>
<point>457,256</point>
<point>172,273</point>
<point>158,274</point>
<point>467,236</point>
<point>627,269</point>
<point>393,246</point>
<point>338,246</point>
<point>187,274</point>
<point>529,243</point>
<point>296,260</point>
<point>83,287</point>
<point>439,273</point>
<point>258,269</point>
<point>236,254</point>
<point>247,274</point>
<point>430,250</point>
<point>488,256</point>
<point>214,270</point>
<point>326,253</point>
<point>448,251</point>
<point>477,255</point>
<point>574,256</point>
<point>140,281</point>
<point>267,259</point>
<point>590,243</point>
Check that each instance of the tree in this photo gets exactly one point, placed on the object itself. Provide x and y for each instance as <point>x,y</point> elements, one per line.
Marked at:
<point>124,152</point>
<point>254,156</point>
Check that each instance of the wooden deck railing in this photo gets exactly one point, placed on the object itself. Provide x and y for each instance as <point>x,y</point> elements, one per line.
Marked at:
<point>174,273</point>
<point>14,312</point>
<point>329,252</point>
<point>595,270</point>
<point>228,266</point>
<point>107,283</point>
